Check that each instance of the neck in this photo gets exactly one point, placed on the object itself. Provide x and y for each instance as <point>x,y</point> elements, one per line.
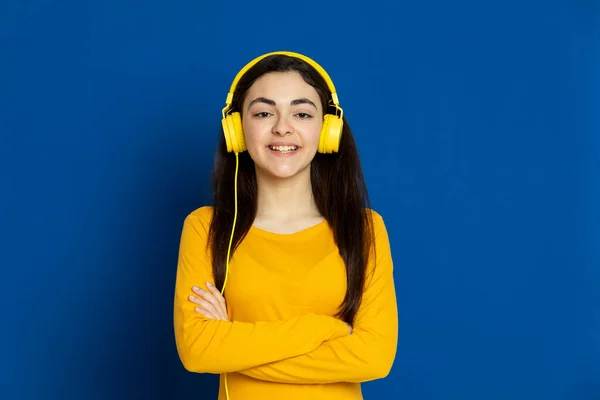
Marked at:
<point>285,199</point>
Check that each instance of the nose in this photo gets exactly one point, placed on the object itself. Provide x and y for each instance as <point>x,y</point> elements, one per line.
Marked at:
<point>282,126</point>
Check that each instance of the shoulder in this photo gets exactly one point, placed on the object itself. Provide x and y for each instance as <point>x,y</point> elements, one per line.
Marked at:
<point>203,213</point>
<point>199,218</point>
<point>381,239</point>
<point>378,222</point>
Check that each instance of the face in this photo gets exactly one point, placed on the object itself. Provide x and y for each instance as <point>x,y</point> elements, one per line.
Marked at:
<point>282,119</point>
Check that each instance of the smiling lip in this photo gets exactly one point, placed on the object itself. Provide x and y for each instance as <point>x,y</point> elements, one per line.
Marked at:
<point>283,144</point>
<point>278,153</point>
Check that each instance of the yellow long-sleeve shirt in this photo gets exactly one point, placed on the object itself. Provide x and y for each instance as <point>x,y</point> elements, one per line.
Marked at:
<point>282,340</point>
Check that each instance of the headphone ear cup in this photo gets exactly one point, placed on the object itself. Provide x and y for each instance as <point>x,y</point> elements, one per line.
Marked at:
<point>331,134</point>
<point>234,134</point>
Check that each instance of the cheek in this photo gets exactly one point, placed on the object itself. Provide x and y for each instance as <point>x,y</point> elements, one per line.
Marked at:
<point>314,133</point>
<point>252,133</point>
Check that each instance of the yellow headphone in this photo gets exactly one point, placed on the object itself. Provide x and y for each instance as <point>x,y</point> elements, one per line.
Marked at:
<point>331,132</point>
<point>329,139</point>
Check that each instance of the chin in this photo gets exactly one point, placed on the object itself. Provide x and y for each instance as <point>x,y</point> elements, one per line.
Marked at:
<point>284,172</point>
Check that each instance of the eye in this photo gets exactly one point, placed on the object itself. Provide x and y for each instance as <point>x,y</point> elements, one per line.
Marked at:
<point>304,115</point>
<point>263,114</point>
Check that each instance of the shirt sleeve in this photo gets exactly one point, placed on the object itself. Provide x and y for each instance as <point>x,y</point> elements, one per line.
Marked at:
<point>211,346</point>
<point>368,353</point>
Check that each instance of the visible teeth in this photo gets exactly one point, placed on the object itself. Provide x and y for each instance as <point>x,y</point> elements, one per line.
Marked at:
<point>284,149</point>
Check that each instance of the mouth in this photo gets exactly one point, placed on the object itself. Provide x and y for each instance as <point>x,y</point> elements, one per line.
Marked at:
<point>284,149</point>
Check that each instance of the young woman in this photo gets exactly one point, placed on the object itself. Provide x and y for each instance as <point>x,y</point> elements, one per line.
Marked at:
<point>309,307</point>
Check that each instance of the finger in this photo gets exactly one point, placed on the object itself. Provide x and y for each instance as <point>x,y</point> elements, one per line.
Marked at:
<point>350,328</point>
<point>218,295</point>
<point>204,304</point>
<point>213,299</point>
<point>207,314</point>
<point>208,297</point>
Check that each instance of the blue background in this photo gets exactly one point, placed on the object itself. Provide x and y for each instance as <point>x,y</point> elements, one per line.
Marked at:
<point>478,128</point>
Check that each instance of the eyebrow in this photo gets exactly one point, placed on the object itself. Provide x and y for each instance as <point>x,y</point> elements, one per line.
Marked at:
<point>270,102</point>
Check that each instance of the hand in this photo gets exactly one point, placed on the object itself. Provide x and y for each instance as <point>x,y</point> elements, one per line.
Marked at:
<point>210,303</point>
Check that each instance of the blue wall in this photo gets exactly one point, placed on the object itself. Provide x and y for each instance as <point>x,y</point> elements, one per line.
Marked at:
<point>479,133</point>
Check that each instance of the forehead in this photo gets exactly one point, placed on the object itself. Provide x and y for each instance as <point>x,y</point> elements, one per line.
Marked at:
<point>282,86</point>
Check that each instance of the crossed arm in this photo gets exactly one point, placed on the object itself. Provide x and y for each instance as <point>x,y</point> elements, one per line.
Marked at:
<point>303,350</point>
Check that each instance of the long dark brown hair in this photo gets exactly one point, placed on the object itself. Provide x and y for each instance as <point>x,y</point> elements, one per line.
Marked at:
<point>337,181</point>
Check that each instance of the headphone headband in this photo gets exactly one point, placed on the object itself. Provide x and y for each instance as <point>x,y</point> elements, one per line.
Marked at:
<point>311,62</point>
